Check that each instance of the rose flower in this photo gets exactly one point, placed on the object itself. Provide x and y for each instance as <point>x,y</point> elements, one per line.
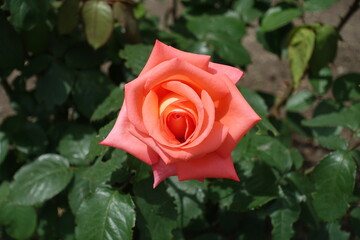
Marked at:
<point>183,115</point>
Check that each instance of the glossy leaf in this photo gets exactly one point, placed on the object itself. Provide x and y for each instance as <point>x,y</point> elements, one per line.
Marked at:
<point>40,180</point>
<point>321,81</point>
<point>300,49</point>
<point>300,101</point>
<point>106,215</point>
<point>315,5</point>
<point>98,20</point>
<point>334,179</point>
<point>111,104</point>
<point>136,56</point>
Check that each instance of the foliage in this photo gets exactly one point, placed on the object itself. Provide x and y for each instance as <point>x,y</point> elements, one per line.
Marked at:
<point>71,59</point>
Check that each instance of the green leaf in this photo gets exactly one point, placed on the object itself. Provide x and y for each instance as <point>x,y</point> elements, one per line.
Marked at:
<point>326,39</point>
<point>82,56</point>
<point>321,81</point>
<point>347,87</point>
<point>4,192</point>
<point>37,64</point>
<point>334,179</point>
<point>315,5</point>
<point>40,180</point>
<point>334,142</point>
<point>98,20</point>
<point>54,87</point>
<point>36,39</point>
<point>355,220</point>
<point>136,56</point>
<point>91,88</point>
<point>96,149</point>
<point>278,16</point>
<point>106,215</point>
<point>4,144</point>
<point>216,26</point>
<point>231,51</point>
<point>300,49</point>
<point>68,16</point>
<point>111,104</point>
<point>247,10</point>
<point>347,117</point>
<point>189,199</point>
<point>335,232</point>
<point>26,14</point>
<point>156,211</point>
<point>300,101</point>
<point>19,221</point>
<point>11,47</point>
<point>282,219</point>
<point>75,144</point>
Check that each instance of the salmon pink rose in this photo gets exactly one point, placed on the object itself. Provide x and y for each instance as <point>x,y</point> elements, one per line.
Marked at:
<point>183,115</point>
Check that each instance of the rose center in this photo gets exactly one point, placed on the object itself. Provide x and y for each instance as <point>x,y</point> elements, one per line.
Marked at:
<point>181,125</point>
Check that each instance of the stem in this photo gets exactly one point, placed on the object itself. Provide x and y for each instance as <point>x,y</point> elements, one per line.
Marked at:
<point>352,9</point>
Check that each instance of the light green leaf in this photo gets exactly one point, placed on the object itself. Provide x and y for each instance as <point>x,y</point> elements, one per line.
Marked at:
<point>40,180</point>
<point>300,101</point>
<point>75,144</point>
<point>111,104</point>
<point>156,210</point>
<point>277,17</point>
<point>106,215</point>
<point>326,40</point>
<point>189,199</point>
<point>300,49</point>
<point>316,5</point>
<point>68,16</point>
<point>334,179</point>
<point>19,221</point>
<point>98,19</point>
<point>53,88</point>
<point>136,56</point>
<point>4,143</point>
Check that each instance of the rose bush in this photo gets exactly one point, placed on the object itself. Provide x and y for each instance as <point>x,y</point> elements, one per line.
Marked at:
<point>183,115</point>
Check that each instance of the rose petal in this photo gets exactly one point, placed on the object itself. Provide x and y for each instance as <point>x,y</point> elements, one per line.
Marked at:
<point>120,137</point>
<point>237,114</point>
<point>210,166</point>
<point>233,73</point>
<point>162,52</point>
<point>161,171</point>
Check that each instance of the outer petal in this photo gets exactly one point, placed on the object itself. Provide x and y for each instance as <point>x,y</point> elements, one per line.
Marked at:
<point>162,171</point>
<point>162,52</point>
<point>120,137</point>
<point>233,73</point>
<point>236,114</point>
<point>211,166</point>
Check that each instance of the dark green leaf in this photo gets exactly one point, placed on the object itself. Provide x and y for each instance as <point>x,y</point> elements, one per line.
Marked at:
<point>274,41</point>
<point>231,51</point>
<point>282,219</point>
<point>36,39</point>
<point>334,180</point>
<point>68,16</point>
<point>40,180</point>
<point>156,211</point>
<point>247,10</point>
<point>347,87</point>
<point>335,232</point>
<point>4,192</point>
<point>91,88</point>
<point>4,143</point>
<point>83,56</point>
<point>216,26</point>
<point>300,49</point>
<point>136,56</point>
<point>54,87</point>
<point>98,20</point>
<point>355,220</point>
<point>75,144</point>
<point>96,149</point>
<point>37,64</point>
<point>111,104</point>
<point>321,81</point>
<point>106,215</point>
<point>278,16</point>
<point>11,47</point>
<point>29,138</point>
<point>19,221</point>
<point>315,5</point>
<point>189,199</point>
<point>300,101</point>
<point>326,39</point>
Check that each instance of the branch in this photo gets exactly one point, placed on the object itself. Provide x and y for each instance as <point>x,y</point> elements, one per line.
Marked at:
<point>352,9</point>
